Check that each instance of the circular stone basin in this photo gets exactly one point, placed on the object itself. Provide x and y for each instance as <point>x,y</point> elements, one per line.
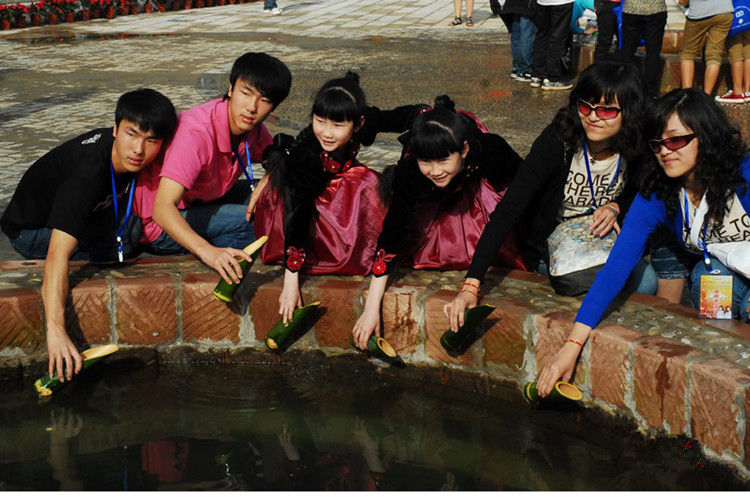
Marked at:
<point>183,420</point>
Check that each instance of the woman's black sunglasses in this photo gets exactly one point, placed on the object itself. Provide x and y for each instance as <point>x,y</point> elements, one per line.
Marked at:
<point>603,112</point>
<point>671,143</point>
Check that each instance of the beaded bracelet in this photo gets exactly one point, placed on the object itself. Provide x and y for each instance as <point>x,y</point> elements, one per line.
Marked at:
<point>574,341</point>
<point>614,207</point>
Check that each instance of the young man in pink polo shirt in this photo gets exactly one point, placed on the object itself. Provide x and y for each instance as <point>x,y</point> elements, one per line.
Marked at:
<point>195,201</point>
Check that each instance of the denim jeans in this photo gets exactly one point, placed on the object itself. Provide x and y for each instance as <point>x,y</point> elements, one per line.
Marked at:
<point>221,222</point>
<point>96,243</point>
<point>522,37</point>
<point>269,4</point>
<point>740,287</point>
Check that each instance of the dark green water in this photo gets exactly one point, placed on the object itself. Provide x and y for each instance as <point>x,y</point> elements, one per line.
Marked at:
<point>136,426</point>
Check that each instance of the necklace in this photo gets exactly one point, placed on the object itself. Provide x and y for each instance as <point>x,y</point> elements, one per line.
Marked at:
<point>593,153</point>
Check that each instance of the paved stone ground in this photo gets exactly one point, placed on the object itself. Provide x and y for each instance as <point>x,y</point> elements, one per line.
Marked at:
<point>59,81</point>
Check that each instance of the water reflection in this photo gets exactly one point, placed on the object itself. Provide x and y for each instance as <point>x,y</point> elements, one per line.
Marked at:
<point>278,428</point>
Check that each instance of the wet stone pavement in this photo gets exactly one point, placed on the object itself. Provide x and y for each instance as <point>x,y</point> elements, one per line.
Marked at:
<point>59,81</point>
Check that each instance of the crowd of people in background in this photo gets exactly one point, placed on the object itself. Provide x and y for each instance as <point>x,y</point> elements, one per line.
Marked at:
<point>541,29</point>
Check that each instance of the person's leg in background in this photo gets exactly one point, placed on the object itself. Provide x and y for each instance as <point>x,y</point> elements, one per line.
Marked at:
<point>654,37</point>
<point>541,46</point>
<point>558,33</point>
<point>606,23</point>
<point>717,36</point>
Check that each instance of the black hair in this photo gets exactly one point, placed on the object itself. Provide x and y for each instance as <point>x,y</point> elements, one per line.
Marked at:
<point>612,81</point>
<point>721,150</point>
<point>437,133</point>
<point>149,110</point>
<point>341,99</point>
<point>270,76</point>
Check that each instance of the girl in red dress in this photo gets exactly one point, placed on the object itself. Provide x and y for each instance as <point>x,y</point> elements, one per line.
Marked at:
<point>321,210</point>
<point>449,180</point>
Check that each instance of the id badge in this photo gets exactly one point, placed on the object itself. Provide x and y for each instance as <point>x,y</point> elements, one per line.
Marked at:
<point>716,296</point>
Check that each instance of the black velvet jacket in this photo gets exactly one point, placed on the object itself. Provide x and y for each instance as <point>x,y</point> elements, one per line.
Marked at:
<point>309,169</point>
<point>490,158</point>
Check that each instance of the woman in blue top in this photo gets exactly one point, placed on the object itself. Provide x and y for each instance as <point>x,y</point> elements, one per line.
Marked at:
<point>696,185</point>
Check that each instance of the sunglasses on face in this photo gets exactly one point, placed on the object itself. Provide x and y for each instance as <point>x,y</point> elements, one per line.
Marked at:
<point>670,143</point>
<point>603,112</point>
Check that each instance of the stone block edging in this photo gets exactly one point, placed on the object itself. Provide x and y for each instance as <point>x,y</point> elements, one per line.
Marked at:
<point>653,376</point>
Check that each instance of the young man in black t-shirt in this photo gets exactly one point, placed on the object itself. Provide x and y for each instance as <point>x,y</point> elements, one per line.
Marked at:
<point>74,203</point>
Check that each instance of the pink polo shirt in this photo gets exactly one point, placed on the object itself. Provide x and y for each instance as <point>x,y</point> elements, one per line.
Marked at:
<point>200,158</point>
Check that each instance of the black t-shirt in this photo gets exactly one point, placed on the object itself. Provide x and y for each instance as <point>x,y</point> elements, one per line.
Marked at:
<point>66,186</point>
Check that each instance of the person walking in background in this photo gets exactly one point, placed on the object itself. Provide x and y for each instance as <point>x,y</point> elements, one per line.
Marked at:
<point>457,11</point>
<point>522,34</point>
<point>704,17</point>
<point>606,22</point>
<point>553,27</point>
<point>270,7</point>
<point>648,17</point>
<point>739,57</point>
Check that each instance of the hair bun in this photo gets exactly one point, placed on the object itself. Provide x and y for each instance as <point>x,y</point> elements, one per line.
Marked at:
<point>443,102</point>
<point>350,75</point>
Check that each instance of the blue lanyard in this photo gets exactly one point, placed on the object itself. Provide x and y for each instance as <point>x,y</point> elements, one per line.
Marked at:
<point>701,245</point>
<point>591,182</point>
<point>121,227</point>
<point>249,169</point>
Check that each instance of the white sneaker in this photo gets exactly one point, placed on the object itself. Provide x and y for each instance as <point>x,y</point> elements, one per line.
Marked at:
<point>275,11</point>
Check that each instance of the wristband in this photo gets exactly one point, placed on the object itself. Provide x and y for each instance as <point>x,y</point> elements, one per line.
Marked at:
<point>576,342</point>
<point>470,285</point>
<point>614,207</point>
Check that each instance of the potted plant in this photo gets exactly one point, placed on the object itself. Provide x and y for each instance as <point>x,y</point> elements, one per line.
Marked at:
<point>85,9</point>
<point>68,9</point>
<point>53,11</point>
<point>20,11</point>
<point>134,7</point>
<point>186,4</point>
<point>124,7</point>
<point>108,7</point>
<point>36,11</point>
<point>7,13</point>
<point>148,7</point>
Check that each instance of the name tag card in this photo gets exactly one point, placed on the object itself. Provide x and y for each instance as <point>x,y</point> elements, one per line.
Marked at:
<point>716,296</point>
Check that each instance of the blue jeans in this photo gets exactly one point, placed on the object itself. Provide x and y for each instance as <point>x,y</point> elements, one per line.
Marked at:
<point>740,288</point>
<point>522,36</point>
<point>96,242</point>
<point>221,222</point>
<point>269,4</point>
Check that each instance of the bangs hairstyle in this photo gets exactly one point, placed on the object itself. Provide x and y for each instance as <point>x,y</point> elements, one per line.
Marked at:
<point>149,110</point>
<point>341,99</point>
<point>608,80</point>
<point>267,74</point>
<point>436,134</point>
<point>721,150</point>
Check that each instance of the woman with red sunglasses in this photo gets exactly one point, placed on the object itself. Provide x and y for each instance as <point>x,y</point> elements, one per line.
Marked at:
<point>695,184</point>
<point>581,164</point>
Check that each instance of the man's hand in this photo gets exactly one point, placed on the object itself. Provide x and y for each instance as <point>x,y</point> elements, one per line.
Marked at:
<point>63,355</point>
<point>225,260</point>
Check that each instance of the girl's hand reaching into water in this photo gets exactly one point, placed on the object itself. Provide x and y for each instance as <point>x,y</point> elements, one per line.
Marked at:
<point>290,297</point>
<point>467,298</point>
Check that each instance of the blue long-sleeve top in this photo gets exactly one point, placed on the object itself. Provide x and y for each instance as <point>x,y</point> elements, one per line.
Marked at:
<point>643,217</point>
<point>579,6</point>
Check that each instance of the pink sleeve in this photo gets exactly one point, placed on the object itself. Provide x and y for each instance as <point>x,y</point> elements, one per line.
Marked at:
<point>188,152</point>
